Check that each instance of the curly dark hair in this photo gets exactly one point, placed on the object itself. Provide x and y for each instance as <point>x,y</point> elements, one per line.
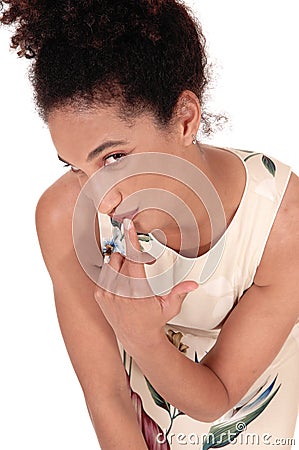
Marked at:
<point>137,54</point>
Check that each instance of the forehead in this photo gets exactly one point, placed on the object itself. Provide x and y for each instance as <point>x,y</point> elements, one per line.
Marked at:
<point>76,133</point>
<point>98,119</point>
<point>104,123</point>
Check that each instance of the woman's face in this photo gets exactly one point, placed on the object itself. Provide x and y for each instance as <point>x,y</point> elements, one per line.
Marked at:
<point>77,134</point>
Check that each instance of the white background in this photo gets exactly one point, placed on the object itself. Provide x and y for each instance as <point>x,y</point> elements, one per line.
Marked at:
<point>254,44</point>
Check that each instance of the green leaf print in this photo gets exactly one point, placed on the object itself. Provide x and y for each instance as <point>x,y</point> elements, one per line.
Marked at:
<point>144,237</point>
<point>224,433</point>
<point>157,397</point>
<point>269,164</point>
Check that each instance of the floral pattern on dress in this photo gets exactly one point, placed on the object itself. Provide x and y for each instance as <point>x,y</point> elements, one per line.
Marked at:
<point>268,163</point>
<point>223,431</point>
<point>149,428</point>
<point>234,422</point>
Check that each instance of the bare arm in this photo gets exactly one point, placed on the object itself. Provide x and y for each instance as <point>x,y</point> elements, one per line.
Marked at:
<point>89,339</point>
<point>211,387</point>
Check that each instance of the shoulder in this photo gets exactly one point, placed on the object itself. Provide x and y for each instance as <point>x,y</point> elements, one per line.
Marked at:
<point>56,204</point>
<point>53,218</point>
<point>58,199</point>
<point>280,258</point>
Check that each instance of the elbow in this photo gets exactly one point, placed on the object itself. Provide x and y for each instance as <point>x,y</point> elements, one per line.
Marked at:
<point>210,415</point>
<point>216,415</point>
<point>214,409</point>
<point>217,402</point>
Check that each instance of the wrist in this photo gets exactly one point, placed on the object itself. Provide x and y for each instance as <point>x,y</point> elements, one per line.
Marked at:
<point>145,344</point>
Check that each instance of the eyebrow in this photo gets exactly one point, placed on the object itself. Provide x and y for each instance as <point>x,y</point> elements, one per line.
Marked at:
<point>94,153</point>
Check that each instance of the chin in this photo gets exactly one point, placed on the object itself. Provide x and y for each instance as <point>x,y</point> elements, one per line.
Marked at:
<point>146,227</point>
<point>141,227</point>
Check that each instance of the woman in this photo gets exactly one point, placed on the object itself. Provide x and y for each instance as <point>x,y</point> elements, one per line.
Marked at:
<point>192,340</point>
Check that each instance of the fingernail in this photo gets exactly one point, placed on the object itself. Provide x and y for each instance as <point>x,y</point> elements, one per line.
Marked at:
<point>127,224</point>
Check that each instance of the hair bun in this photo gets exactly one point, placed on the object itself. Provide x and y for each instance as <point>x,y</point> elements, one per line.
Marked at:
<point>88,23</point>
<point>137,54</point>
<point>154,6</point>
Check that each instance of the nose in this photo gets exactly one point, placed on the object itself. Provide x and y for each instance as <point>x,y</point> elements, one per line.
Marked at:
<point>110,201</point>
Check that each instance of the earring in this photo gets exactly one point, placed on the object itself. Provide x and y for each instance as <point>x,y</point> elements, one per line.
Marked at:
<point>194,139</point>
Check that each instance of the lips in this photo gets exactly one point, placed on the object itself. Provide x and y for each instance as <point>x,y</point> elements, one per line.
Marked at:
<point>125,215</point>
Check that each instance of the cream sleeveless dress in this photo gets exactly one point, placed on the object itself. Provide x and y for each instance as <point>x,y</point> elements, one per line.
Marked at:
<point>266,415</point>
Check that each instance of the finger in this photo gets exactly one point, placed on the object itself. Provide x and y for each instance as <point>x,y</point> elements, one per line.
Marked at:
<point>110,271</point>
<point>116,261</point>
<point>183,288</point>
<point>130,232</point>
<point>133,252</point>
<point>178,294</point>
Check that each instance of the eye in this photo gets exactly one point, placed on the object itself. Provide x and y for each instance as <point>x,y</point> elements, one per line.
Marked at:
<point>73,168</point>
<point>110,159</point>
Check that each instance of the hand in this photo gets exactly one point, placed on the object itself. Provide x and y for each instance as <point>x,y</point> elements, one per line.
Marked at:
<point>136,315</point>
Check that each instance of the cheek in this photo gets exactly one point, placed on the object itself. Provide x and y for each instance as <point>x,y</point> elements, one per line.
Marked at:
<point>147,182</point>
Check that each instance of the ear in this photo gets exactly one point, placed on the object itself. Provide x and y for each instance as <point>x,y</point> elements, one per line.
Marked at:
<point>188,112</point>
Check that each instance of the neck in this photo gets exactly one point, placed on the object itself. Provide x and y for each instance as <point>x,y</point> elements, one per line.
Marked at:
<point>191,235</point>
